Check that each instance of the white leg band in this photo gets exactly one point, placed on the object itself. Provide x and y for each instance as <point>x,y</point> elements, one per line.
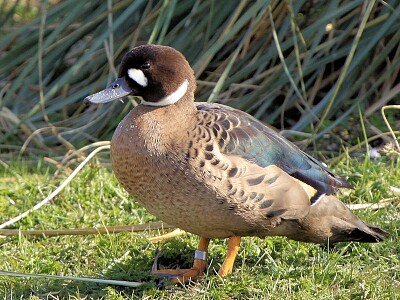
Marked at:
<point>198,254</point>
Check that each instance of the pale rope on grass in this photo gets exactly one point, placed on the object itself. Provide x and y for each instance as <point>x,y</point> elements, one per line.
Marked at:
<point>53,194</point>
<point>85,279</point>
<point>87,231</point>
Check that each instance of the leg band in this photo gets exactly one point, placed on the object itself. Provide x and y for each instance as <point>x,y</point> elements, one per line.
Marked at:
<point>198,254</point>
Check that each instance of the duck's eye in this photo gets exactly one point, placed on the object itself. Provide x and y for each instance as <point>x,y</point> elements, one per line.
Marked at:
<point>115,86</point>
<point>145,66</point>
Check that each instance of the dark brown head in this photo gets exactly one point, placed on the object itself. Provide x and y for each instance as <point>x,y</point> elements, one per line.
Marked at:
<point>160,75</point>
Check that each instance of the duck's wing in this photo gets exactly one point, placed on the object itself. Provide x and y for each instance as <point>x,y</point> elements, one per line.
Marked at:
<point>237,133</point>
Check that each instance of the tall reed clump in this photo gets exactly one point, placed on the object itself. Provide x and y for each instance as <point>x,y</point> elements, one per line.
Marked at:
<point>299,65</point>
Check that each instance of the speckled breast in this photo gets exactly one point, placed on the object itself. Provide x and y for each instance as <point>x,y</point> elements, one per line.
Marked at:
<point>164,184</point>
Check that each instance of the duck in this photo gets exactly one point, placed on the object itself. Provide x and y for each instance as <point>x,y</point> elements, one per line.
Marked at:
<point>216,171</point>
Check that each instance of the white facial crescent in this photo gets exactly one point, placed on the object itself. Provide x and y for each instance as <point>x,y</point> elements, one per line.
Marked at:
<point>138,76</point>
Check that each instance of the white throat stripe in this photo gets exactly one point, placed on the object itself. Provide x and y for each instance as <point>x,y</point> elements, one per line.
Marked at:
<point>138,76</point>
<point>172,98</point>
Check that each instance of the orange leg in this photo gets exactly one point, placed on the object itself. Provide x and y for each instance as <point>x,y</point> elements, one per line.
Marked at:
<point>233,248</point>
<point>184,275</point>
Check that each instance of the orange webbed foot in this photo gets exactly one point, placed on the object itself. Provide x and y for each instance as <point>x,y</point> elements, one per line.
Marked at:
<point>186,275</point>
<point>183,275</point>
<point>200,265</point>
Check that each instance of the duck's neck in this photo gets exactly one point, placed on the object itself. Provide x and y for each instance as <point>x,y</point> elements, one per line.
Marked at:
<point>166,123</point>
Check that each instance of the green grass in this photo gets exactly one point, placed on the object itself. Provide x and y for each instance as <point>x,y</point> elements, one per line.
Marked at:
<point>265,268</point>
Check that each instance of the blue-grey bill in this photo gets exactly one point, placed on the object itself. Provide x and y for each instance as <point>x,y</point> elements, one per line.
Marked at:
<point>116,90</point>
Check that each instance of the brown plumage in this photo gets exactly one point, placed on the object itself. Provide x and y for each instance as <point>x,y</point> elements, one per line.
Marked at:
<point>216,171</point>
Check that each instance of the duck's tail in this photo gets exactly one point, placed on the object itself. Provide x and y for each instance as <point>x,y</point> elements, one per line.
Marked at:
<point>366,233</point>
<point>331,221</point>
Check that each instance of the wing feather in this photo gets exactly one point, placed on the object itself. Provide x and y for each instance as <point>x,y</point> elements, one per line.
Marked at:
<point>240,134</point>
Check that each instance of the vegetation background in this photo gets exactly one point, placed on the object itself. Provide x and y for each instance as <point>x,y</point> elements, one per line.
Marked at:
<point>319,71</point>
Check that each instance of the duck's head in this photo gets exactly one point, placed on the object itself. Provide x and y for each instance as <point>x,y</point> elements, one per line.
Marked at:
<point>160,75</point>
